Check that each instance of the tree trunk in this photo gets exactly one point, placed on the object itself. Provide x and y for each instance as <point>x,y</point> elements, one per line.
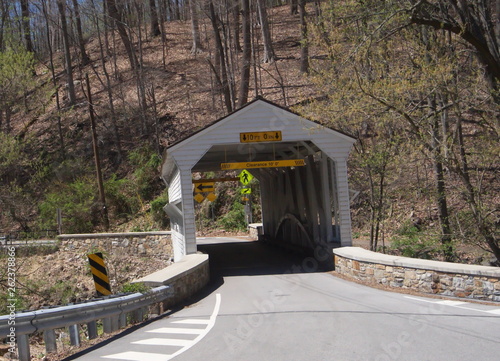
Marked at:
<point>114,124</point>
<point>442,203</point>
<point>218,41</point>
<point>54,81</point>
<point>195,28</point>
<point>100,183</point>
<point>294,7</point>
<point>117,16</point>
<point>269,55</point>
<point>25,12</point>
<point>67,52</point>
<point>485,231</point>
<point>304,47</point>
<point>83,53</point>
<point>236,25</point>
<point>155,27</point>
<point>247,55</point>
<point>5,12</point>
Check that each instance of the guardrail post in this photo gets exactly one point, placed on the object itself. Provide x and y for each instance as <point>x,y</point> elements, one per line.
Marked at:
<point>92,329</point>
<point>49,337</point>
<point>138,315</point>
<point>122,320</point>
<point>106,325</point>
<point>23,347</point>
<point>74,335</point>
<point>114,323</point>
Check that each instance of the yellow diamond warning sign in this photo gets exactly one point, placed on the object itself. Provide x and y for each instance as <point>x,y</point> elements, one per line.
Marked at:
<point>245,177</point>
<point>199,197</point>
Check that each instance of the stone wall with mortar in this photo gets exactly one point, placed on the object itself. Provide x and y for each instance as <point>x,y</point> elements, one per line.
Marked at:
<point>186,277</point>
<point>154,244</point>
<point>432,277</point>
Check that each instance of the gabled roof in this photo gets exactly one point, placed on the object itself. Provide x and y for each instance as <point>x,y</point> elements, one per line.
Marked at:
<point>257,99</point>
<point>217,139</point>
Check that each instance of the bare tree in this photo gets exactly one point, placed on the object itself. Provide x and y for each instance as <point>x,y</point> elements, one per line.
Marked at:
<point>247,55</point>
<point>67,52</point>
<point>269,55</point>
<point>25,12</point>
<point>304,47</point>
<point>155,27</point>
<point>117,15</point>
<point>81,42</point>
<point>220,50</point>
<point>477,22</point>
<point>195,28</point>
<point>4,10</point>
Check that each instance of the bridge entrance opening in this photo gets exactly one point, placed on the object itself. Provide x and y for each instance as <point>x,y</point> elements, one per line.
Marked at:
<point>300,167</point>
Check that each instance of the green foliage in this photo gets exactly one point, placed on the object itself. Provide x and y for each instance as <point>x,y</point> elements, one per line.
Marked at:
<point>121,197</point>
<point>16,66</point>
<point>6,300</point>
<point>146,163</point>
<point>76,201</point>
<point>409,241</point>
<point>135,287</point>
<point>234,220</point>
<point>158,214</point>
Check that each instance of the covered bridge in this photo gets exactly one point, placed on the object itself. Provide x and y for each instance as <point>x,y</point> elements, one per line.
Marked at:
<point>301,167</point>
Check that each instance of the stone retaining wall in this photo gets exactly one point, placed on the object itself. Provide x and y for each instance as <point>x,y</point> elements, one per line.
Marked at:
<point>157,244</point>
<point>186,277</point>
<point>443,278</point>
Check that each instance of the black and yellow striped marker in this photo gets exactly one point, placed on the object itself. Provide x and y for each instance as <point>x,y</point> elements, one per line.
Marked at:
<point>101,279</point>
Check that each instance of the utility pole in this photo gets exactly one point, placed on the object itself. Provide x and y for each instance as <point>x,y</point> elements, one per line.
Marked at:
<point>104,209</point>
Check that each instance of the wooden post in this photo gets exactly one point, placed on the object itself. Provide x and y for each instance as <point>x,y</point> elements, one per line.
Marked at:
<point>104,210</point>
<point>326,197</point>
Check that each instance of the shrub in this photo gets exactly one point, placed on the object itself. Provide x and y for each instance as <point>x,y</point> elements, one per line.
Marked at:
<point>146,163</point>
<point>409,241</point>
<point>234,220</point>
<point>135,287</point>
<point>158,214</point>
<point>76,200</point>
<point>120,197</point>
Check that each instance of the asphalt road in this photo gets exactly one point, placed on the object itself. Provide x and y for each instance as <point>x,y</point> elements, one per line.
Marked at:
<point>262,305</point>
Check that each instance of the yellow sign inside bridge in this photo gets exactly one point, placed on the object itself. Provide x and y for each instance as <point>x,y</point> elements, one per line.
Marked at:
<point>245,177</point>
<point>256,137</point>
<point>264,164</point>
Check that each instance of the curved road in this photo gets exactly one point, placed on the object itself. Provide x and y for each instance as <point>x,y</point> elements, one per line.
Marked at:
<point>261,305</point>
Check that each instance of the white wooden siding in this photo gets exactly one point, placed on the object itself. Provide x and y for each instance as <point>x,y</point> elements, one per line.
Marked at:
<point>256,117</point>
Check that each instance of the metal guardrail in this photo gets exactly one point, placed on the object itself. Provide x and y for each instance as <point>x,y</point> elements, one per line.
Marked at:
<point>9,237</point>
<point>112,311</point>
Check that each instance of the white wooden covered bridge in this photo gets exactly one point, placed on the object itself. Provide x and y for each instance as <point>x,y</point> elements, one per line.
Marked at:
<point>305,206</point>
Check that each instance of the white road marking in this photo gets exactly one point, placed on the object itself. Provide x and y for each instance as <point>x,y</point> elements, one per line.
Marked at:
<point>450,303</point>
<point>180,331</point>
<point>193,321</point>
<point>139,356</point>
<point>213,318</point>
<point>185,344</point>
<point>163,342</point>
<point>456,304</point>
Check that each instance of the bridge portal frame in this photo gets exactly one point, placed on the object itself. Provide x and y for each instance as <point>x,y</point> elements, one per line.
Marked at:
<point>312,200</point>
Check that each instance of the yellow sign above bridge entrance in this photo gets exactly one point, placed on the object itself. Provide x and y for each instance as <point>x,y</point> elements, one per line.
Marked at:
<point>257,137</point>
<point>264,164</point>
